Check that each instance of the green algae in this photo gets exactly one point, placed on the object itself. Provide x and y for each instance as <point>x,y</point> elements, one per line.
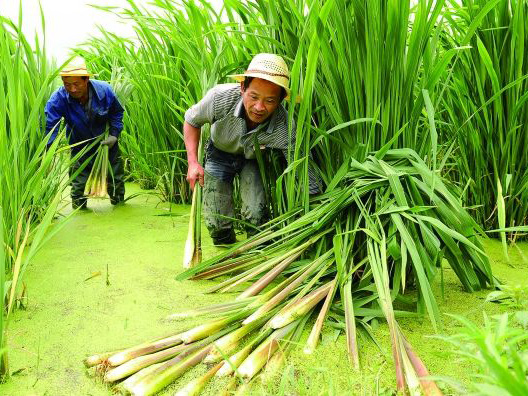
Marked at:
<point>106,281</point>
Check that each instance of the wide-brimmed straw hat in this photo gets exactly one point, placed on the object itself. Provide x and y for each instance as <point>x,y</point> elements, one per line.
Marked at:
<point>269,67</point>
<point>76,68</point>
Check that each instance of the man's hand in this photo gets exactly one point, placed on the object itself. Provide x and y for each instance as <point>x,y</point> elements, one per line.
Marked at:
<point>109,141</point>
<point>195,172</point>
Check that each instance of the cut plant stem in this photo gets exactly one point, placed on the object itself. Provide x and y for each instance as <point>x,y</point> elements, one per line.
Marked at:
<point>300,308</point>
<point>194,387</point>
<point>255,264</point>
<point>260,356</point>
<point>227,266</point>
<point>279,357</point>
<point>205,330</point>
<point>275,300</point>
<point>166,373</point>
<point>143,349</point>
<point>350,324</point>
<point>136,364</point>
<point>193,246</point>
<point>94,360</point>
<point>284,262</point>
<point>233,362</point>
<point>380,273</point>
<point>429,386</point>
<point>134,379</point>
<point>213,309</point>
<point>228,343</point>
<point>315,334</point>
<point>96,186</point>
<point>273,366</point>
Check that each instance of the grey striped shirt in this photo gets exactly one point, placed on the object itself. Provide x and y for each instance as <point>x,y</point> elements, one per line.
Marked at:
<point>223,109</point>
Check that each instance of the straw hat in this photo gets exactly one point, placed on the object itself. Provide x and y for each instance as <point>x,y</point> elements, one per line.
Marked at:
<point>76,68</point>
<point>269,67</point>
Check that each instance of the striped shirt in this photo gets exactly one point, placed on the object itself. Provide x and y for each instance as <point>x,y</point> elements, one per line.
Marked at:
<point>223,109</point>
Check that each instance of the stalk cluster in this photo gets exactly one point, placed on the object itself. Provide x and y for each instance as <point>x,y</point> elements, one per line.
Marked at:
<point>96,186</point>
<point>388,226</point>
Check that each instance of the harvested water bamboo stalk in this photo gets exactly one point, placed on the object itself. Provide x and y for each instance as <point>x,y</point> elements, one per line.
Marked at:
<point>166,373</point>
<point>143,349</point>
<point>192,254</point>
<point>136,364</point>
<point>260,356</point>
<point>194,387</point>
<point>299,309</point>
<point>313,338</point>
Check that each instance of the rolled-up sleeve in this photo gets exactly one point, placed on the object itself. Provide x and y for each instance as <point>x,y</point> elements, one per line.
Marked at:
<point>202,112</point>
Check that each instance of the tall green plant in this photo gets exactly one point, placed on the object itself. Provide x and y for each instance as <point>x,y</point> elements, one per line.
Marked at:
<point>32,178</point>
<point>3,294</point>
<point>486,108</point>
<point>360,68</point>
<point>365,71</point>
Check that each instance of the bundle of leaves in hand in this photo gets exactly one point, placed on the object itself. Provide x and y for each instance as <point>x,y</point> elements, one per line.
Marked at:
<point>192,254</point>
<point>382,227</point>
<point>96,186</point>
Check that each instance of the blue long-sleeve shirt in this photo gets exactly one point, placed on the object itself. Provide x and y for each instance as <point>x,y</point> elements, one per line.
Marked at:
<point>81,125</point>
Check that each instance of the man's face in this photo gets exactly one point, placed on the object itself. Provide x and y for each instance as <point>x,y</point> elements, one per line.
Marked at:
<point>77,87</point>
<point>260,99</point>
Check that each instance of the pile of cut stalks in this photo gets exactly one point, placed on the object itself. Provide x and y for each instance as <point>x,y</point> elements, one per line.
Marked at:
<point>382,232</point>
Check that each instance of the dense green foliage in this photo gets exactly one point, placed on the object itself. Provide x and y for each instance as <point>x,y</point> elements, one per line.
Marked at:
<point>29,188</point>
<point>178,54</point>
<point>404,108</point>
<point>32,177</point>
<point>368,73</point>
<point>485,107</point>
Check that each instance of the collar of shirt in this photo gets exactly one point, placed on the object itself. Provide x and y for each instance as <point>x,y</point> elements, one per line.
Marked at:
<point>239,109</point>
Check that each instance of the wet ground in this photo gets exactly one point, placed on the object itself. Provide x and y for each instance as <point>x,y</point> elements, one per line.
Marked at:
<point>106,281</point>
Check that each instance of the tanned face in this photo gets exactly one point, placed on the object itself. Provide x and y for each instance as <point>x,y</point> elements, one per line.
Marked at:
<point>77,87</point>
<point>260,100</point>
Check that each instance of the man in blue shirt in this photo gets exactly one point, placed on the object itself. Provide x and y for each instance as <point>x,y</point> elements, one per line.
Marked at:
<point>88,107</point>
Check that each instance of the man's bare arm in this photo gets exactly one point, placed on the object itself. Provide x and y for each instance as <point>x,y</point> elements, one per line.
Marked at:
<point>191,138</point>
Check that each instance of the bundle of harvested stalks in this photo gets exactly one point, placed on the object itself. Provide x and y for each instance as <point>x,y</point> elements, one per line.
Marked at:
<point>96,186</point>
<point>192,255</point>
<point>382,227</point>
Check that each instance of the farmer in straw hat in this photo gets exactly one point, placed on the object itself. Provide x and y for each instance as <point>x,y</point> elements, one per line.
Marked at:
<point>88,106</point>
<point>240,115</point>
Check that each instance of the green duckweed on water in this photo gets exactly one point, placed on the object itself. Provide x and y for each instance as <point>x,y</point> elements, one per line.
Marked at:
<point>106,281</point>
